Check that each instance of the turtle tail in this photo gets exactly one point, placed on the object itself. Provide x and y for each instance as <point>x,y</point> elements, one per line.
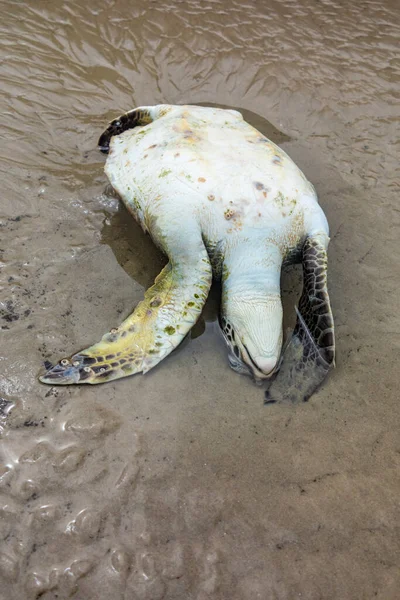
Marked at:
<point>143,115</point>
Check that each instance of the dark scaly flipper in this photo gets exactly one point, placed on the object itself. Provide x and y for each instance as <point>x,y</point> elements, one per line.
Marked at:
<point>131,119</point>
<point>310,352</point>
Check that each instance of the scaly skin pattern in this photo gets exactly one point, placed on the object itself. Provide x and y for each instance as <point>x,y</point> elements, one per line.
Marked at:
<point>218,198</point>
<point>311,351</point>
<point>159,323</point>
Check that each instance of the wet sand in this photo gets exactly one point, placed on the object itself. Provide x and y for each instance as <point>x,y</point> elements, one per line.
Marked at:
<point>180,484</point>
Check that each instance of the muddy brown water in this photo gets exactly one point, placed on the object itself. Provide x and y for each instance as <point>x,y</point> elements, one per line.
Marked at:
<point>180,484</point>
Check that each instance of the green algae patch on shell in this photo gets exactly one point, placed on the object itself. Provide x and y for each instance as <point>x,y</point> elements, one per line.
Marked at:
<point>142,132</point>
<point>225,273</point>
<point>280,199</point>
<point>164,173</point>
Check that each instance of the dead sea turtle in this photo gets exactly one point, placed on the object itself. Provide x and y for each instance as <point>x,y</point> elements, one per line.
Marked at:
<point>219,199</point>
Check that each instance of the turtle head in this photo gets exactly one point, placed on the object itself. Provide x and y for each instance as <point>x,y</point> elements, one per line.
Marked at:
<point>251,308</point>
<point>252,328</point>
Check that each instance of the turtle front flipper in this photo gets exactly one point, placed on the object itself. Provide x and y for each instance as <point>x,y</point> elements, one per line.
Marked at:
<point>157,326</point>
<point>310,352</point>
<point>143,115</point>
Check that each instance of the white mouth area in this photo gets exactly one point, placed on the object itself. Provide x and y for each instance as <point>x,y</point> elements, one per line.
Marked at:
<point>262,367</point>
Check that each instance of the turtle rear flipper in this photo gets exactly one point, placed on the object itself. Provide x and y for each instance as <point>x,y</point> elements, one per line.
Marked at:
<point>310,352</point>
<point>143,115</point>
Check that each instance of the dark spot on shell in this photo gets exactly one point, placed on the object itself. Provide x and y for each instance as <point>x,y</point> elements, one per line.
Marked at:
<point>123,334</point>
<point>258,185</point>
<point>190,304</point>
<point>110,356</point>
<point>155,302</point>
<point>211,197</point>
<point>170,330</point>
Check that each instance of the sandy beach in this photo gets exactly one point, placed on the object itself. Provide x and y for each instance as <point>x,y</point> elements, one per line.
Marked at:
<point>180,484</point>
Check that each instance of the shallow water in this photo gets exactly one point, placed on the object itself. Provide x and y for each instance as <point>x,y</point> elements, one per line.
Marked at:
<point>180,484</point>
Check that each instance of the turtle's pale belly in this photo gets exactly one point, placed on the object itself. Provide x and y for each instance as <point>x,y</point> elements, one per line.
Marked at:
<point>221,201</point>
<point>214,165</point>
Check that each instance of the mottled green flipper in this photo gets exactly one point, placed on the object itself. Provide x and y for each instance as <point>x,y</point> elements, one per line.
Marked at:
<point>310,352</point>
<point>157,326</point>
